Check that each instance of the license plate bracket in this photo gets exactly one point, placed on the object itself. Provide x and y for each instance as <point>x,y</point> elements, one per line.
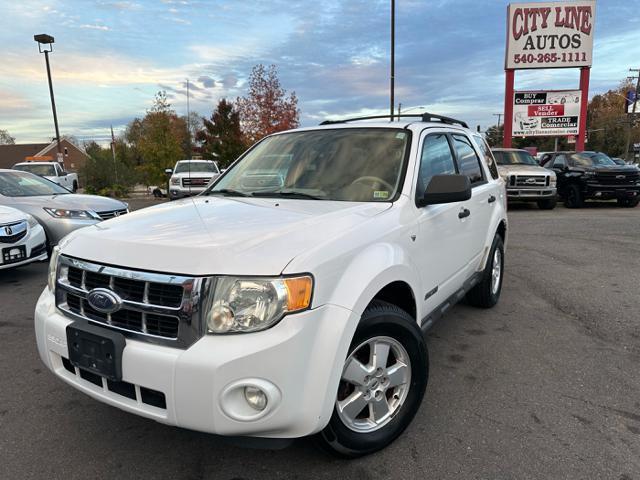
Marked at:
<point>14,254</point>
<point>96,349</point>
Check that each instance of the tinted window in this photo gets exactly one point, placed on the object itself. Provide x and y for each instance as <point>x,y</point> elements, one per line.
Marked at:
<point>184,167</point>
<point>514,157</point>
<point>42,170</point>
<point>559,162</point>
<point>436,159</point>
<point>590,159</point>
<point>468,161</point>
<point>488,156</point>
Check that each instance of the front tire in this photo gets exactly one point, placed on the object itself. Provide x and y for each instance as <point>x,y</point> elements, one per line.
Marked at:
<point>487,293</point>
<point>382,384</point>
<point>574,198</point>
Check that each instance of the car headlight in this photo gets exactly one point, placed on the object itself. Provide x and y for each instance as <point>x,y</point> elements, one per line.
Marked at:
<point>175,181</point>
<point>242,305</point>
<point>53,269</point>
<point>32,221</point>
<point>77,214</point>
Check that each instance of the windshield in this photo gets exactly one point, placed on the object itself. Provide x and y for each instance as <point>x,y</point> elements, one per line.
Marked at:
<point>514,158</point>
<point>24,184</point>
<point>591,159</point>
<point>42,170</point>
<point>351,164</point>
<point>184,167</point>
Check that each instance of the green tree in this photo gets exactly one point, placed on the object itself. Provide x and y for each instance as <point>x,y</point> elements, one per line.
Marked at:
<point>266,109</point>
<point>158,140</point>
<point>221,136</point>
<point>6,139</point>
<point>494,135</point>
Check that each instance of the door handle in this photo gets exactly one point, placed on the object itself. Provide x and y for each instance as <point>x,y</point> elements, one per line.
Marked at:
<point>464,213</point>
<point>492,199</point>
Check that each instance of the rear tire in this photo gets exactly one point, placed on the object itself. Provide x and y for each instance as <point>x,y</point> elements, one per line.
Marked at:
<point>548,204</point>
<point>574,198</point>
<point>487,293</point>
<point>379,393</point>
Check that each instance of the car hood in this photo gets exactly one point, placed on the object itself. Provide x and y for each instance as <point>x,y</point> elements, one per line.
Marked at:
<point>523,170</point>
<point>71,201</point>
<point>195,175</point>
<point>609,169</point>
<point>10,215</point>
<point>218,235</point>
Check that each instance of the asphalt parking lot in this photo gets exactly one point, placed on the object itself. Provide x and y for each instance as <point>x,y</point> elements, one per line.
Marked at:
<point>545,385</point>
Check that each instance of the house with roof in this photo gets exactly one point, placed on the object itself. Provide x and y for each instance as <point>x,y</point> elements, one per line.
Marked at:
<point>74,157</point>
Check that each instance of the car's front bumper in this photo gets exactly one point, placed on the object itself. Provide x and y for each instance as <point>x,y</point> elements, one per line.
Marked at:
<point>300,360</point>
<point>608,192</point>
<point>182,192</point>
<point>35,246</point>
<point>532,194</point>
<point>58,228</point>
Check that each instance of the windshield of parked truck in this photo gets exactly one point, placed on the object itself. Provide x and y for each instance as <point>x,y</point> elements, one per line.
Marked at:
<point>24,184</point>
<point>42,170</point>
<point>591,159</point>
<point>514,158</point>
<point>184,167</point>
<point>349,164</point>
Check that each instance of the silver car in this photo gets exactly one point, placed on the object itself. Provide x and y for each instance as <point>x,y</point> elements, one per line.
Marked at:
<point>57,209</point>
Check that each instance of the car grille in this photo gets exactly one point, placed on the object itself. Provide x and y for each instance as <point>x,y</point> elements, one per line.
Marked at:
<point>533,181</point>
<point>159,308</point>
<point>106,215</point>
<point>195,182</point>
<point>613,178</point>
<point>13,232</point>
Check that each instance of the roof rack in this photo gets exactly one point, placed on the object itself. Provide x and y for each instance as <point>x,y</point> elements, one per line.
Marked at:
<point>424,117</point>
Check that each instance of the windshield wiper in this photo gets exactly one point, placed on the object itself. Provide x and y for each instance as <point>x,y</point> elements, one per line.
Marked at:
<point>287,193</point>
<point>228,192</point>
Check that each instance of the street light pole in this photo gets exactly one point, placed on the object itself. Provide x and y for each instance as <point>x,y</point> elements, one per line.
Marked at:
<point>44,39</point>
<point>393,58</point>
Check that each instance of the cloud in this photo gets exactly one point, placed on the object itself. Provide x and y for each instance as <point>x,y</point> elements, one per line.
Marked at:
<point>206,81</point>
<point>95,27</point>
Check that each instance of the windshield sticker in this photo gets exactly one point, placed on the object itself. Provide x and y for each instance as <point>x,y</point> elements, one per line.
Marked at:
<point>381,194</point>
<point>400,135</point>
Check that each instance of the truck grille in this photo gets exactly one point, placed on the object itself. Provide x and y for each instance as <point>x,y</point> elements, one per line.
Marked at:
<point>13,232</point>
<point>106,215</point>
<point>195,182</point>
<point>159,308</point>
<point>534,181</point>
<point>619,178</point>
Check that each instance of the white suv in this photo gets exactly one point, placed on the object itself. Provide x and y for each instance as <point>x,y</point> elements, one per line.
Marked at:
<point>290,298</point>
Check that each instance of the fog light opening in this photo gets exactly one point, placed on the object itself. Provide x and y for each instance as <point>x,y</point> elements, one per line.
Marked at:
<point>255,397</point>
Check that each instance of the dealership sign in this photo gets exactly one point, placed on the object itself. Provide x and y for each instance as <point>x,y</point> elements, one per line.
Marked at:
<point>546,113</point>
<point>550,34</point>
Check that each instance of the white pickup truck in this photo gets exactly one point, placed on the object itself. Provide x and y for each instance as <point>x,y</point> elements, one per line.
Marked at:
<point>292,296</point>
<point>51,171</point>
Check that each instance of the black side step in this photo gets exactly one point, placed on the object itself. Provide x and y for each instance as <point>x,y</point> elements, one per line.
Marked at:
<point>440,310</point>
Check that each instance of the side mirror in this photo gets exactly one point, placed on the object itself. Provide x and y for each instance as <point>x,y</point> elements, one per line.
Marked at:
<point>446,189</point>
<point>168,171</point>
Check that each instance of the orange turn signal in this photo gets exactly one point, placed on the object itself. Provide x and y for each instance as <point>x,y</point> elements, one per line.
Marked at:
<point>299,293</point>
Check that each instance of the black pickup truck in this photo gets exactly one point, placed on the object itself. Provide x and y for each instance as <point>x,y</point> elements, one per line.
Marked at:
<point>593,176</point>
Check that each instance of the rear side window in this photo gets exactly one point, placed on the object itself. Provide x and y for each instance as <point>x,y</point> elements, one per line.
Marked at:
<point>560,162</point>
<point>468,161</point>
<point>437,159</point>
<point>488,156</point>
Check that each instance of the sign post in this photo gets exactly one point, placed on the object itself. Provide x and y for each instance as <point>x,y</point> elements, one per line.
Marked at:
<point>549,35</point>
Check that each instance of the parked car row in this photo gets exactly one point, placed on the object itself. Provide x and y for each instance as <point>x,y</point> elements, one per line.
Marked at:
<point>49,212</point>
<point>572,176</point>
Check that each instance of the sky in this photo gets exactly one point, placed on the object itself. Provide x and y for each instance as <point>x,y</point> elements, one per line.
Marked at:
<point>110,57</point>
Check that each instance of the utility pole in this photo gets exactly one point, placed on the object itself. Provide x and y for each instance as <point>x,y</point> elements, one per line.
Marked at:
<point>113,154</point>
<point>188,121</point>
<point>632,116</point>
<point>399,110</point>
<point>393,58</point>
<point>499,115</point>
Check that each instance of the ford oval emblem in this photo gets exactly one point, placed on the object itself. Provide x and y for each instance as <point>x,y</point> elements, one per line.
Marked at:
<point>104,300</point>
